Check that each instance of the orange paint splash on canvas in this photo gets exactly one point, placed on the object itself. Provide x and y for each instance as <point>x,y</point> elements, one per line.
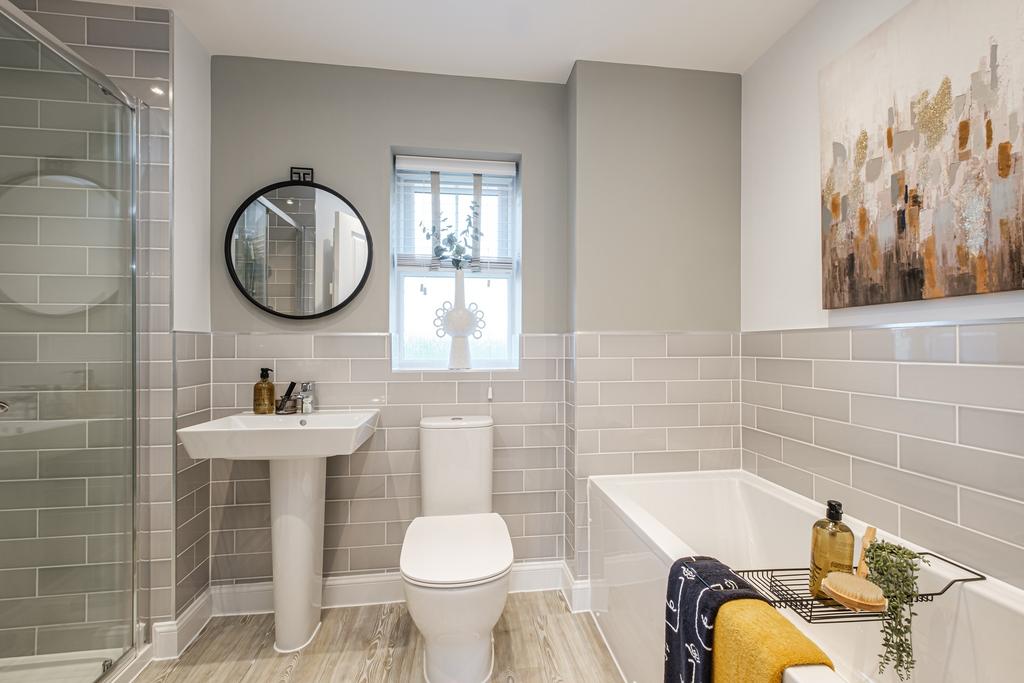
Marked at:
<point>932,290</point>
<point>981,273</point>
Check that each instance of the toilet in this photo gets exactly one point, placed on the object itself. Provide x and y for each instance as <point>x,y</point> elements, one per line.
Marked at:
<point>457,557</point>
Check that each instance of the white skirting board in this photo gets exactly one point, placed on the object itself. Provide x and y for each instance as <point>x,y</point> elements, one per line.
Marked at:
<point>575,591</point>
<point>371,589</point>
<point>170,638</point>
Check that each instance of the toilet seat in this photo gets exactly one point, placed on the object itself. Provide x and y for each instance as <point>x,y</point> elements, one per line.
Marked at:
<point>456,551</point>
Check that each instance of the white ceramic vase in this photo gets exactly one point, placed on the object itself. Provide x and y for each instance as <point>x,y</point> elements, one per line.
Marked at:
<point>459,322</point>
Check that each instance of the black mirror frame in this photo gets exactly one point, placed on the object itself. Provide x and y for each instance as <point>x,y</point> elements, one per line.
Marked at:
<point>316,186</point>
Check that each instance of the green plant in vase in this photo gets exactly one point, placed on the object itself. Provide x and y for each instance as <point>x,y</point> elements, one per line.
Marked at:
<point>452,245</point>
<point>894,569</point>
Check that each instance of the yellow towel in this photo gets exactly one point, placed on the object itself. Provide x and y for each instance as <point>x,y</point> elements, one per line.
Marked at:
<point>754,644</point>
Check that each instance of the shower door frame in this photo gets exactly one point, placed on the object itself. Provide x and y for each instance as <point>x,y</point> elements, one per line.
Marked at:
<point>134,106</point>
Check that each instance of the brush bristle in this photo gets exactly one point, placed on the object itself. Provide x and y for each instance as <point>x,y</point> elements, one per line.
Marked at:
<point>853,586</point>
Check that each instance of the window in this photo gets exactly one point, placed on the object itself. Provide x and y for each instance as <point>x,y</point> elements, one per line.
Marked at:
<point>432,191</point>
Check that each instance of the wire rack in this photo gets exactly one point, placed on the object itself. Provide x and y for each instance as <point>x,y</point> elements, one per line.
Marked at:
<point>788,588</point>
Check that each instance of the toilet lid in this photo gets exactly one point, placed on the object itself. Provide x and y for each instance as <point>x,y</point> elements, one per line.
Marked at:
<point>448,550</point>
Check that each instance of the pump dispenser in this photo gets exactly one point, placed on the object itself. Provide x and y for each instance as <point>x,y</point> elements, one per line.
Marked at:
<point>263,394</point>
<point>831,547</point>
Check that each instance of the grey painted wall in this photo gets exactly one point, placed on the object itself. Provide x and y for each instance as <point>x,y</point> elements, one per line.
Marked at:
<point>346,122</point>
<point>655,154</point>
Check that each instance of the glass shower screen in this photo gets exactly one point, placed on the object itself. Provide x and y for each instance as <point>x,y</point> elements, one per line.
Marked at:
<point>66,367</point>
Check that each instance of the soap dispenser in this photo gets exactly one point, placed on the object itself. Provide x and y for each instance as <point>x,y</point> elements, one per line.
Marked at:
<point>831,547</point>
<point>263,394</point>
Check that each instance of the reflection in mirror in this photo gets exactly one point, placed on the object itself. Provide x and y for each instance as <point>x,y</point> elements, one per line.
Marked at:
<point>298,250</point>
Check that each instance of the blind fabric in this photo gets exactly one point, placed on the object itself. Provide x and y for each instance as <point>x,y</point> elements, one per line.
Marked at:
<point>505,169</point>
<point>425,198</point>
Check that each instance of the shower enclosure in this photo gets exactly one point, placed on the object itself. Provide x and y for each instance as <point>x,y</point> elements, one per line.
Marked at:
<point>69,149</point>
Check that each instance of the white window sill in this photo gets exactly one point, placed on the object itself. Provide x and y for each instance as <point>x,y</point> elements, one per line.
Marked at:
<point>433,369</point>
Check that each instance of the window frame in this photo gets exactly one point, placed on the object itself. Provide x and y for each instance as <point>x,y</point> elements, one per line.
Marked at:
<point>403,207</point>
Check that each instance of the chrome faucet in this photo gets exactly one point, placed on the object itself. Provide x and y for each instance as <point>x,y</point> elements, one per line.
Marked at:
<point>306,397</point>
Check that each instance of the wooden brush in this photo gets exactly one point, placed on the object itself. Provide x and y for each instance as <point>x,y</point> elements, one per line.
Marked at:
<point>854,590</point>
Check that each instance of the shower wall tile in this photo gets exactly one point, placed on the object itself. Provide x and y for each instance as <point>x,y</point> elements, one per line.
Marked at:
<point>67,348</point>
<point>918,431</point>
<point>373,494</point>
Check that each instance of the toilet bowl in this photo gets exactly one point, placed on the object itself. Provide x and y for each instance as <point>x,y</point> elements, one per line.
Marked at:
<point>456,558</point>
<point>455,571</point>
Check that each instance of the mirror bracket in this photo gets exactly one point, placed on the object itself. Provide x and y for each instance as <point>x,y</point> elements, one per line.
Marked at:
<point>301,174</point>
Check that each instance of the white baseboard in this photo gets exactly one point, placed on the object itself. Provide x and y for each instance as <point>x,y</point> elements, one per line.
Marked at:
<point>170,638</point>
<point>575,591</point>
<point>370,589</point>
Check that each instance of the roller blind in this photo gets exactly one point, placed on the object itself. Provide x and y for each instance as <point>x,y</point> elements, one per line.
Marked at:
<point>457,166</point>
<point>437,191</point>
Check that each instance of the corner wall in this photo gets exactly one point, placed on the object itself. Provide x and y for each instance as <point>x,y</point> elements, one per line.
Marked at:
<point>642,403</point>
<point>191,195</point>
<point>654,198</point>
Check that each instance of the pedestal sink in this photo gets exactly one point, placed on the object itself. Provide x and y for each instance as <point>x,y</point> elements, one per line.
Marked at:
<point>297,447</point>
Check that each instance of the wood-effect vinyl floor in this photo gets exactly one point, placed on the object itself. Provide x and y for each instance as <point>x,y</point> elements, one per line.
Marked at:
<point>537,640</point>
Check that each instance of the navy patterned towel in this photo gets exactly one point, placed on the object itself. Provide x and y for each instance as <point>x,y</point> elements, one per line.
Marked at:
<point>697,587</point>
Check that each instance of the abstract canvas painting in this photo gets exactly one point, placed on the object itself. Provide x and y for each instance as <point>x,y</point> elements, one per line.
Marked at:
<point>922,176</point>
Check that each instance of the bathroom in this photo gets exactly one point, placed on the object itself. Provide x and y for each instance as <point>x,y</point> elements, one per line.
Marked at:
<point>653,334</point>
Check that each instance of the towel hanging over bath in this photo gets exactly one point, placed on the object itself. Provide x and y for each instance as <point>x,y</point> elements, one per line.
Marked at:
<point>697,587</point>
<point>754,643</point>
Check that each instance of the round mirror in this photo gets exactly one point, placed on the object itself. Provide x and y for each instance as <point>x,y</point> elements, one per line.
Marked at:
<point>298,250</point>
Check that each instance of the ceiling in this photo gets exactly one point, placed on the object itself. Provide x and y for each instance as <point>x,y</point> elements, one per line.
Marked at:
<point>535,40</point>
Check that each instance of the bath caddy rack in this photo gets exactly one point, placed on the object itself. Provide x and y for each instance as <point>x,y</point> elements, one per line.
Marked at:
<point>788,588</point>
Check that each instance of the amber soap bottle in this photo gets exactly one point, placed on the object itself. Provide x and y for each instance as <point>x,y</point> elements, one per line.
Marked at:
<point>831,547</point>
<point>263,394</point>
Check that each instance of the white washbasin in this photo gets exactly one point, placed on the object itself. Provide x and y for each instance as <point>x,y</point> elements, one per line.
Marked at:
<point>297,447</point>
<point>279,437</point>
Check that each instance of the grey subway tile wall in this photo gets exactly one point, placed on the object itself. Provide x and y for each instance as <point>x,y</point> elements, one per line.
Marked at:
<point>917,429</point>
<point>641,403</point>
<point>373,494</point>
<point>64,260</point>
<point>192,405</point>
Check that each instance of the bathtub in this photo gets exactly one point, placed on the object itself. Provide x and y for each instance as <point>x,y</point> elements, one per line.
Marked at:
<point>640,524</point>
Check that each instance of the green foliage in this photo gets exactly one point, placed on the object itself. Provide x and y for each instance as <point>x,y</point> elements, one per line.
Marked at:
<point>451,244</point>
<point>894,569</point>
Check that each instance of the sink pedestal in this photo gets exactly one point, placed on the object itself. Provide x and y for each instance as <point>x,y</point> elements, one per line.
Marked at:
<point>297,447</point>
<point>297,526</point>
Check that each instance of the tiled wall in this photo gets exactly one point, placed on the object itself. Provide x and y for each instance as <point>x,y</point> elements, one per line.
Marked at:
<point>918,430</point>
<point>192,477</point>
<point>130,44</point>
<point>53,125</point>
<point>373,494</point>
<point>660,402</point>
